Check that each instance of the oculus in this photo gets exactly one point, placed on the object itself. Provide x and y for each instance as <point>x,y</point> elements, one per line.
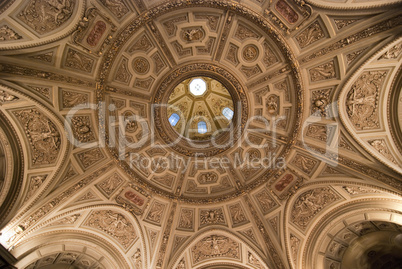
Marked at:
<point>200,108</point>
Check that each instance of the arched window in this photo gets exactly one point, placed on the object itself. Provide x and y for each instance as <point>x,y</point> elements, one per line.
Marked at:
<point>202,127</point>
<point>228,113</point>
<point>173,119</point>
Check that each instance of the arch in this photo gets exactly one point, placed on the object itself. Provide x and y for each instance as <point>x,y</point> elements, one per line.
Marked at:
<point>64,241</point>
<point>326,233</point>
<point>352,196</point>
<point>363,106</point>
<point>13,169</point>
<point>212,240</point>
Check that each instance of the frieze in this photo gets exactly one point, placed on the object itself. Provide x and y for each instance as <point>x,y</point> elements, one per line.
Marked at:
<point>69,220</point>
<point>224,35</point>
<point>357,190</point>
<point>159,63</point>
<point>231,54</point>
<point>294,247</point>
<point>181,265</point>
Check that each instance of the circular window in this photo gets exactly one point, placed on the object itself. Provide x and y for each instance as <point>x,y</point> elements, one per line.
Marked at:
<point>200,108</point>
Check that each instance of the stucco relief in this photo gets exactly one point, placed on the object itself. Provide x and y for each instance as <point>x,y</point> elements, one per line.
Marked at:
<point>310,35</point>
<point>7,97</point>
<point>323,72</point>
<point>114,224</point>
<point>362,100</point>
<point>34,184</point>
<point>117,7</point>
<point>42,134</point>
<point>44,16</point>
<point>110,184</point>
<point>310,203</point>
<point>215,246</point>
<point>90,157</point>
<point>212,216</point>
<point>78,61</point>
<point>8,34</point>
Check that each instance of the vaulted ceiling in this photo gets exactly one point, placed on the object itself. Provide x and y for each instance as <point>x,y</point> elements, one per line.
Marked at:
<point>92,174</point>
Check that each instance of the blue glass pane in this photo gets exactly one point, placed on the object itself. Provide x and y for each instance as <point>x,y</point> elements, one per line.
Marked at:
<point>202,127</point>
<point>173,119</point>
<point>228,113</point>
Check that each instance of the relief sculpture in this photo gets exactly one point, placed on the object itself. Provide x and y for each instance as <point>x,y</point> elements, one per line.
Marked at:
<point>114,224</point>
<point>362,100</point>
<point>310,203</point>
<point>215,246</point>
<point>44,16</point>
<point>42,134</point>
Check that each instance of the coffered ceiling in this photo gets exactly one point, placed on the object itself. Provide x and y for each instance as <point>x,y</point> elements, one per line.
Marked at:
<point>93,175</point>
